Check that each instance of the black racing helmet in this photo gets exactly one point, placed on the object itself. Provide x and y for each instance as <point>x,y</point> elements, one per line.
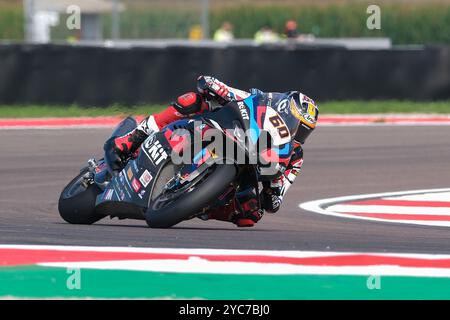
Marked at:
<point>305,110</point>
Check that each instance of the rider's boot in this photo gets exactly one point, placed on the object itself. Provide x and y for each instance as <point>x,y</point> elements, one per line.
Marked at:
<point>129,143</point>
<point>118,149</point>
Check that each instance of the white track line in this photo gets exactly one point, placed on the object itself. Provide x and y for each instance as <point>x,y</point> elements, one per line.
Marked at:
<point>349,208</point>
<point>220,252</point>
<point>317,206</point>
<point>442,196</point>
<point>188,251</point>
<point>197,265</point>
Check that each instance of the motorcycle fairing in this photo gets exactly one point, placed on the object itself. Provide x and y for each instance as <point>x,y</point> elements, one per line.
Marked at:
<point>129,185</point>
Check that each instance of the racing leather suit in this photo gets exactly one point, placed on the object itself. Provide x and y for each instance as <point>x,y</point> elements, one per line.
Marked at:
<point>213,94</point>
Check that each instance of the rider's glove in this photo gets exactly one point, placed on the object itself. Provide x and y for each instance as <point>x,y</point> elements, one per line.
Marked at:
<point>213,88</point>
<point>119,149</point>
<point>271,197</point>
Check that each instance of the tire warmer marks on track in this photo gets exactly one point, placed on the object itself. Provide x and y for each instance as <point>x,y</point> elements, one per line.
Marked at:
<point>111,121</point>
<point>113,272</point>
<point>422,207</point>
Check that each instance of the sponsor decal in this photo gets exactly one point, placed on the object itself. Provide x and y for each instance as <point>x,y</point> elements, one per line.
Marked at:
<point>308,99</point>
<point>283,106</point>
<point>125,183</point>
<point>136,185</point>
<point>108,194</point>
<point>130,173</point>
<point>309,118</point>
<point>151,138</point>
<point>141,193</point>
<point>121,178</point>
<point>243,110</point>
<point>311,110</point>
<point>126,187</point>
<point>115,189</point>
<point>100,167</point>
<point>155,152</point>
<point>143,126</point>
<point>127,191</point>
<point>275,202</point>
<point>145,178</point>
<point>135,166</point>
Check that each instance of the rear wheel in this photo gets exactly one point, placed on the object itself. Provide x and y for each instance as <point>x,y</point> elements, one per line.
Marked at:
<point>77,203</point>
<point>168,209</point>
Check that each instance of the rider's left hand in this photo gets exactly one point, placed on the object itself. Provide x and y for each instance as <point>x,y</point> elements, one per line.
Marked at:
<point>271,200</point>
<point>207,85</point>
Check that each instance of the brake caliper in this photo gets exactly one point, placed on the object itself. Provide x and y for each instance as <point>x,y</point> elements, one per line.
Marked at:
<point>88,177</point>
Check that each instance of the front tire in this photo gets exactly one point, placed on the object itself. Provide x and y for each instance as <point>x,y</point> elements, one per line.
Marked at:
<point>190,203</point>
<point>76,204</point>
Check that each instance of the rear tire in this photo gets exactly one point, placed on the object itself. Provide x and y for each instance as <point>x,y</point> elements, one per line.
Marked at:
<point>188,204</point>
<point>79,208</point>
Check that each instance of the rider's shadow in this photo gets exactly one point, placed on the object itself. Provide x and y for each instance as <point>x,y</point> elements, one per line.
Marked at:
<point>180,227</point>
<point>223,229</point>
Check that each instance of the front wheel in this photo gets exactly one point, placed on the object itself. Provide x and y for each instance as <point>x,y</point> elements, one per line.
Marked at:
<point>167,212</point>
<point>77,204</point>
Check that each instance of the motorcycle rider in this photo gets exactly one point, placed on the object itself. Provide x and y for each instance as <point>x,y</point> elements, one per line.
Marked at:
<point>212,93</point>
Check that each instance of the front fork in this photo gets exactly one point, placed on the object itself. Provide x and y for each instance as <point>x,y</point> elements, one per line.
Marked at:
<point>97,173</point>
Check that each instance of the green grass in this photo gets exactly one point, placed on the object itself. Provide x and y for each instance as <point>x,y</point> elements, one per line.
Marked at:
<point>46,282</point>
<point>390,106</point>
<point>38,111</point>
<point>331,107</point>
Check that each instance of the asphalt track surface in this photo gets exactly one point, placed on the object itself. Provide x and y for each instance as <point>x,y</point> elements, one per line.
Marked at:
<point>339,161</point>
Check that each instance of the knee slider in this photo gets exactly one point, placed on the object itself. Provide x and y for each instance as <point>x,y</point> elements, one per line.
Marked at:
<point>189,103</point>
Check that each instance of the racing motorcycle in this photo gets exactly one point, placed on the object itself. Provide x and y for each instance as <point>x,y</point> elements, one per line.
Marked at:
<point>154,187</point>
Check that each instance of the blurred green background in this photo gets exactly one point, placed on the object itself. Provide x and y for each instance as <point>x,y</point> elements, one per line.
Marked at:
<point>405,22</point>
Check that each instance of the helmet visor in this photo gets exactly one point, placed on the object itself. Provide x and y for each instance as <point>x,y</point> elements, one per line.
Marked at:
<point>307,114</point>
